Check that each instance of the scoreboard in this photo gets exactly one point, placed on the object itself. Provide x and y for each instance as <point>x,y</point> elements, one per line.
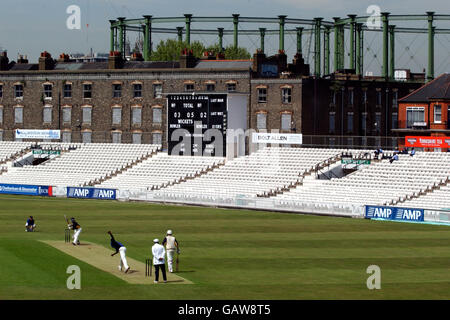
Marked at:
<point>197,124</point>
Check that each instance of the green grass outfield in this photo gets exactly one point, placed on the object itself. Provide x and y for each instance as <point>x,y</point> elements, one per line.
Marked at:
<point>227,254</point>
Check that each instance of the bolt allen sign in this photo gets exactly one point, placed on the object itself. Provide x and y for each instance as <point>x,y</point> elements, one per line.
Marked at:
<point>427,142</point>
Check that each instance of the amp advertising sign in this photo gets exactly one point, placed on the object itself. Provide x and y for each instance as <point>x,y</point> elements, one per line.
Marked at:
<point>394,213</point>
<point>91,193</point>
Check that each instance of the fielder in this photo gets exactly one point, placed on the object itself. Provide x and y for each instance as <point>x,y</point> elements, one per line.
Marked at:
<point>171,245</point>
<point>30,225</point>
<point>159,253</point>
<point>76,231</point>
<point>120,248</point>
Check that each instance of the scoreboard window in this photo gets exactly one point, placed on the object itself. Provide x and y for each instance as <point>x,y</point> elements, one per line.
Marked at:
<point>157,90</point>
<point>157,115</point>
<point>117,90</point>
<point>189,87</point>
<point>231,87</point>
<point>137,90</point>
<point>210,87</point>
<point>262,95</point>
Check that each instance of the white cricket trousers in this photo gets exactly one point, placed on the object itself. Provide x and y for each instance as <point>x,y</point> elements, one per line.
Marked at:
<point>123,258</point>
<point>170,254</point>
<point>76,234</point>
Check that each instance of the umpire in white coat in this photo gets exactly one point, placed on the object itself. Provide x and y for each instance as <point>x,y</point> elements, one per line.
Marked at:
<point>159,262</point>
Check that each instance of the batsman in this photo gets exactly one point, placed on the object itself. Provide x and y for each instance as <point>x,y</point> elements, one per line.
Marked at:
<point>171,245</point>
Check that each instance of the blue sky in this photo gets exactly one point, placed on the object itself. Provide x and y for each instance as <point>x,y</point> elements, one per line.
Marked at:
<point>32,26</point>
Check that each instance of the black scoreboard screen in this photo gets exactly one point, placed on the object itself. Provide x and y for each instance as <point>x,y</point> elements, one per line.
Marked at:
<point>197,124</point>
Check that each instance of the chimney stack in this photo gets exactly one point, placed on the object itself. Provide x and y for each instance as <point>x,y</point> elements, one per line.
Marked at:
<point>4,61</point>
<point>45,61</point>
<point>115,60</point>
<point>187,59</point>
<point>64,58</point>
<point>136,56</point>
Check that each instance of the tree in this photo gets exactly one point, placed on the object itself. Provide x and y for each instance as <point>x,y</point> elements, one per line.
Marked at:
<point>170,50</point>
<point>230,52</point>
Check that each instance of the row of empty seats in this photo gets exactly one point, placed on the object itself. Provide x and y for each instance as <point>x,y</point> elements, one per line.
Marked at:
<point>9,149</point>
<point>162,170</point>
<point>270,169</point>
<point>87,164</point>
<point>380,183</point>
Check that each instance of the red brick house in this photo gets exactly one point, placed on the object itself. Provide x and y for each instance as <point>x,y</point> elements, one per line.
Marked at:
<point>425,112</point>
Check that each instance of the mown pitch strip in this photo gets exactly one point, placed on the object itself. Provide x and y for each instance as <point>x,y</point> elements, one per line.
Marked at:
<point>100,258</point>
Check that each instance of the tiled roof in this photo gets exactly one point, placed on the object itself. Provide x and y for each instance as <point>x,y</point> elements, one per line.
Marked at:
<point>438,89</point>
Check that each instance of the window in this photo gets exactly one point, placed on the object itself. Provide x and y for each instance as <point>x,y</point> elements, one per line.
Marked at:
<point>157,138</point>
<point>378,98</point>
<point>364,122</point>
<point>332,122</point>
<point>136,116</point>
<point>364,99</point>
<point>47,91</point>
<point>395,99</point>
<point>210,87</point>
<point>286,95</point>
<point>47,114</point>
<point>262,95</point>
<point>87,115</point>
<point>437,113</point>
<point>18,115</point>
<point>117,90</point>
<point>1,91</point>
<point>414,115</point>
<point>67,90</point>
<point>350,97</point>
<point>1,115</point>
<point>137,137</point>
<point>350,122</point>
<point>137,90</point>
<point>157,115</point>
<point>377,122</point>
<point>116,137</point>
<point>116,115</point>
<point>231,87</point>
<point>66,136</point>
<point>189,87</point>
<point>261,120</point>
<point>394,120</point>
<point>87,136</point>
<point>67,115</point>
<point>157,90</point>
<point>18,91</point>
<point>87,91</point>
<point>286,119</point>
<point>332,142</point>
<point>349,142</point>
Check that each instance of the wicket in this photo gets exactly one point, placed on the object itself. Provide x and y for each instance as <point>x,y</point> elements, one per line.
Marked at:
<point>67,235</point>
<point>148,267</point>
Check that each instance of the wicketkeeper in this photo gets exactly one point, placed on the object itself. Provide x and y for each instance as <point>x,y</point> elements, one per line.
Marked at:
<point>30,225</point>
<point>171,246</point>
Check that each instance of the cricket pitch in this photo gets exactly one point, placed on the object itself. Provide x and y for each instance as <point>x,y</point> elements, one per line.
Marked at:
<point>100,258</point>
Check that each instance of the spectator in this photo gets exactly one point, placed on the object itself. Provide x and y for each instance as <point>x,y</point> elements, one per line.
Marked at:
<point>394,158</point>
<point>413,152</point>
